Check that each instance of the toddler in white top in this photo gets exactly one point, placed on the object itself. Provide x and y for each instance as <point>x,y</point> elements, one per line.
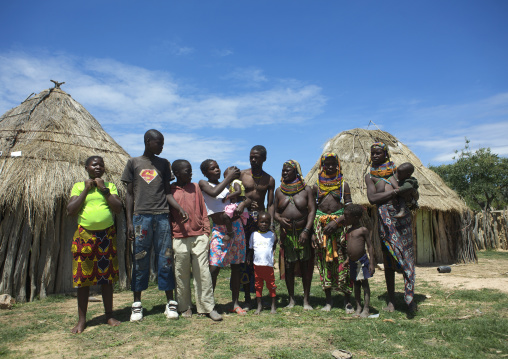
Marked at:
<point>262,245</point>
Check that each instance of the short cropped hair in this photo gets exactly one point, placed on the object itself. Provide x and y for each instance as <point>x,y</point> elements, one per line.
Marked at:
<point>178,164</point>
<point>264,213</point>
<point>261,149</point>
<point>406,166</point>
<point>91,158</point>
<point>152,134</point>
<point>205,165</point>
<point>354,210</point>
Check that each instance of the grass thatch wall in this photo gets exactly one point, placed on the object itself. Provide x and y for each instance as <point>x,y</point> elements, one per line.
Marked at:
<point>438,224</point>
<point>55,135</point>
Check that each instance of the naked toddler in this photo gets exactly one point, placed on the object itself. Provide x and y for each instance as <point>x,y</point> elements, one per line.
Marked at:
<point>407,188</point>
<point>360,268</point>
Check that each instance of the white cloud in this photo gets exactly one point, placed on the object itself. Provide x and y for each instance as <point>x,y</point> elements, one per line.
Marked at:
<point>192,147</point>
<point>182,50</point>
<point>248,76</point>
<point>128,96</point>
<point>436,132</point>
<point>242,164</point>
<point>223,52</point>
<point>491,135</point>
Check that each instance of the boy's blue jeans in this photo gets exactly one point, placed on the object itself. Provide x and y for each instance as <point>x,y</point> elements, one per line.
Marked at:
<point>152,229</point>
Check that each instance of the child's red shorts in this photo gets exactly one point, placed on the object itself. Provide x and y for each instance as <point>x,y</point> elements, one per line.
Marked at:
<point>264,274</point>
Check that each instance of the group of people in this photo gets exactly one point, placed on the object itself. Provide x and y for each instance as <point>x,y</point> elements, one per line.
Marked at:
<point>195,229</point>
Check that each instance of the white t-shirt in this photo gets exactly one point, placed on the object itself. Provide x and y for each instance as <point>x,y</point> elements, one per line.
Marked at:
<point>262,243</point>
<point>214,204</point>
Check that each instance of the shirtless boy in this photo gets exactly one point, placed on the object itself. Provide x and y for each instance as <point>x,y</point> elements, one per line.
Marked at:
<point>295,209</point>
<point>361,269</point>
<point>259,186</point>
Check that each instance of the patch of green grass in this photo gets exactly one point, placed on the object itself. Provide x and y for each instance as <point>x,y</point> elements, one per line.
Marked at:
<point>225,344</point>
<point>492,254</point>
<point>290,353</point>
<point>451,323</point>
<point>4,350</point>
<point>56,298</point>
<point>19,331</point>
<point>483,295</point>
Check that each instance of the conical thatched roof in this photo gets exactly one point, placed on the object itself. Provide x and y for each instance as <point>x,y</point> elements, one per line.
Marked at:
<point>55,135</point>
<point>353,148</point>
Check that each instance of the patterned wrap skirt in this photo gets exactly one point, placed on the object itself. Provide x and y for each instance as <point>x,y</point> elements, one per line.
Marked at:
<point>94,257</point>
<point>331,255</point>
<point>396,236</point>
<point>223,253</point>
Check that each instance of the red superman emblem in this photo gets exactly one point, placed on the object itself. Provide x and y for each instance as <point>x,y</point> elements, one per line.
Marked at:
<point>148,175</point>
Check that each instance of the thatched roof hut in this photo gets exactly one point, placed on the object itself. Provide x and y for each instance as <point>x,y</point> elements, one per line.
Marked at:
<point>44,143</point>
<point>441,223</point>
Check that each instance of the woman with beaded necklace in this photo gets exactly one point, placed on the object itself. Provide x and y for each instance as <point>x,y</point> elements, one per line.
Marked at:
<point>332,194</point>
<point>295,210</point>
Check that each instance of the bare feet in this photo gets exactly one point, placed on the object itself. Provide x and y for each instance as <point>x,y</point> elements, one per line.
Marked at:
<point>307,306</point>
<point>258,310</point>
<point>187,313</point>
<point>326,308</point>
<point>291,303</point>
<point>349,309</point>
<point>79,327</point>
<point>113,322</point>
<point>358,312</point>
<point>365,313</point>
<point>389,308</point>
<point>273,311</point>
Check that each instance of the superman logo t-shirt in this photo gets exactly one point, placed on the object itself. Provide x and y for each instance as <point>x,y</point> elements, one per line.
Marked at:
<point>149,178</point>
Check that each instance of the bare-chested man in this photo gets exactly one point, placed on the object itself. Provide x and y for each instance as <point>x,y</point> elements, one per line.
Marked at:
<point>395,233</point>
<point>295,209</point>
<point>333,194</point>
<point>259,186</point>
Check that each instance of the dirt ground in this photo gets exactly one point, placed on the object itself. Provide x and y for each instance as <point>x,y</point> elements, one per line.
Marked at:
<point>488,273</point>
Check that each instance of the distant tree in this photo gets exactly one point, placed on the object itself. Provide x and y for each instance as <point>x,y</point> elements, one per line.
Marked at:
<point>480,177</point>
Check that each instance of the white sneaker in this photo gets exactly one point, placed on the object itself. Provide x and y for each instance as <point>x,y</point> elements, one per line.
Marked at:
<point>171,310</point>
<point>137,312</point>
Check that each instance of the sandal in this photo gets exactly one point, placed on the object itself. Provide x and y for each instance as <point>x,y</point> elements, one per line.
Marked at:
<point>238,310</point>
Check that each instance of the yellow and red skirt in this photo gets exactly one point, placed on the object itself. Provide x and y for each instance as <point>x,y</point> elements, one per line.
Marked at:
<point>94,257</point>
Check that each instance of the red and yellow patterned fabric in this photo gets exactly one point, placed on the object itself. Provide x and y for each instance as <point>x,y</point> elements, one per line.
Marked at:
<point>94,257</point>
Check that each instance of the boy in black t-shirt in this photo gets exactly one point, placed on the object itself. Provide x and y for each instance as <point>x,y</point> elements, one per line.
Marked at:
<point>148,194</point>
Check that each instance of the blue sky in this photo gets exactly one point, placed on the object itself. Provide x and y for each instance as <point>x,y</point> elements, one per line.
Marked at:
<point>218,77</point>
